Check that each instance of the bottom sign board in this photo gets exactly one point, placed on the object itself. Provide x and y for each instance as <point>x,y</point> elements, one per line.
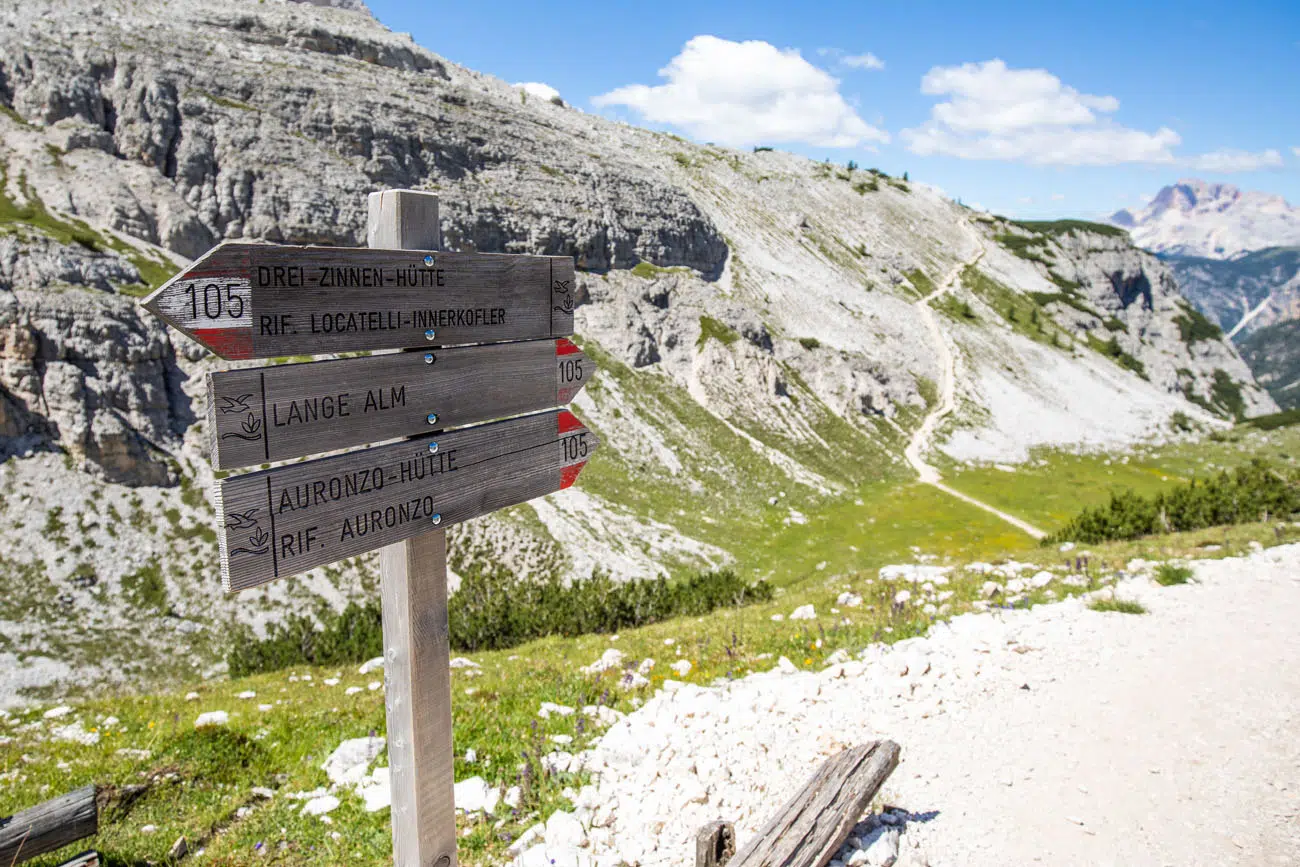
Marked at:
<point>288,519</point>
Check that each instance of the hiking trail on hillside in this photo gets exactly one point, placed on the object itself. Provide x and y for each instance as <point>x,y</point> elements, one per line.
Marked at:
<point>948,397</point>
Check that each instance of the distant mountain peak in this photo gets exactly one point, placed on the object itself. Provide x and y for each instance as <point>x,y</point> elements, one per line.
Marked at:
<point>1193,217</point>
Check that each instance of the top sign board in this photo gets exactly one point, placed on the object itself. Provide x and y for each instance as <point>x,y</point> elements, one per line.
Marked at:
<point>264,301</point>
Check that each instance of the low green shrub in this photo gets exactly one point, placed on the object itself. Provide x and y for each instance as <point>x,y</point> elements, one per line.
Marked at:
<point>809,343</point>
<point>1120,606</point>
<point>1276,420</point>
<point>1169,574</point>
<point>1247,494</point>
<point>1193,326</point>
<point>496,610</point>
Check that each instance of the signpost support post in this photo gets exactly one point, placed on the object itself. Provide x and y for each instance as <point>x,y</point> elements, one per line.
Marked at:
<point>417,670</point>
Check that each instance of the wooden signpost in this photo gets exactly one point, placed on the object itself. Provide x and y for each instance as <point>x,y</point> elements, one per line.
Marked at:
<point>263,414</point>
<point>442,464</point>
<point>266,301</point>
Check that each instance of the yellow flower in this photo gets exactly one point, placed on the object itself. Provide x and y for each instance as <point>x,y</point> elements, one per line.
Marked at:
<point>150,723</point>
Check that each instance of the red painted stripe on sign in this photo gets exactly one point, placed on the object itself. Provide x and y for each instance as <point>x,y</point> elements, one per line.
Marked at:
<point>569,475</point>
<point>232,343</point>
<point>565,346</point>
<point>568,421</point>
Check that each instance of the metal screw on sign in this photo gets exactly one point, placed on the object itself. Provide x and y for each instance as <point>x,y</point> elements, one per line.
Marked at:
<point>432,418</point>
<point>436,517</point>
<point>433,448</point>
<point>430,334</point>
<point>428,358</point>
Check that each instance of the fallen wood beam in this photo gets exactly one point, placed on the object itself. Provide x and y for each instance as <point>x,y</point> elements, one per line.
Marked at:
<point>715,844</point>
<point>85,859</point>
<point>48,826</point>
<point>811,827</point>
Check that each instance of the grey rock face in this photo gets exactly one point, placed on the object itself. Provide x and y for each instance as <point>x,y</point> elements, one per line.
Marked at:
<point>258,120</point>
<point>81,370</point>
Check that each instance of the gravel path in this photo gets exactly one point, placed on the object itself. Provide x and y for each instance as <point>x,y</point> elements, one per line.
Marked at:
<point>915,451</point>
<point>1057,736</point>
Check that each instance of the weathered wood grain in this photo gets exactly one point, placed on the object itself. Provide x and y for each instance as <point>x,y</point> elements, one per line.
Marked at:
<point>85,859</point>
<point>288,519</point>
<point>259,415</point>
<point>715,844</point>
<point>265,301</point>
<point>417,673</point>
<point>810,827</point>
<point>48,826</point>
<point>417,652</point>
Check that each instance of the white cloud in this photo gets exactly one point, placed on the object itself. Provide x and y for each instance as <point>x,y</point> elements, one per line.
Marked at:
<point>1025,200</point>
<point>747,93</point>
<point>863,61</point>
<point>993,112</point>
<point>1296,151</point>
<point>538,89</point>
<point>1058,197</point>
<point>1231,160</point>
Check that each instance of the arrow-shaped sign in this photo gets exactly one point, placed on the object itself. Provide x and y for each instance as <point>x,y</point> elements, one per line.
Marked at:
<point>289,519</point>
<point>259,415</point>
<point>267,301</point>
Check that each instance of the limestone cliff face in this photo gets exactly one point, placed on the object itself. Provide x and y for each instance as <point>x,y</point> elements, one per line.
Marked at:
<point>202,122</point>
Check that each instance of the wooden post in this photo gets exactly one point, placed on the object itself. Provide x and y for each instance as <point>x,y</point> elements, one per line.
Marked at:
<point>48,826</point>
<point>715,844</point>
<point>417,670</point>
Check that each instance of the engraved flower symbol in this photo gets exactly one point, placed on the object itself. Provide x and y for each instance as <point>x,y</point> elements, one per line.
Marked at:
<point>252,424</point>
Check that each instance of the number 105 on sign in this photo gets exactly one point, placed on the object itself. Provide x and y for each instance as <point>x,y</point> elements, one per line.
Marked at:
<point>575,448</point>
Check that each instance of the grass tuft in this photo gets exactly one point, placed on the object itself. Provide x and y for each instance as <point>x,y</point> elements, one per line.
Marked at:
<point>1170,574</point>
<point>1118,606</point>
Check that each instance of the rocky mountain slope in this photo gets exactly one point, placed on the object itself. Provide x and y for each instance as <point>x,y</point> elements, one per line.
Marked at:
<point>1255,299</point>
<point>752,314</point>
<point>1273,353</point>
<point>1213,221</point>
<point>1241,295</point>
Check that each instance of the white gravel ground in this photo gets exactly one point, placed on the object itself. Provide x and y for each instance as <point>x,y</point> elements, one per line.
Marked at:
<point>1054,736</point>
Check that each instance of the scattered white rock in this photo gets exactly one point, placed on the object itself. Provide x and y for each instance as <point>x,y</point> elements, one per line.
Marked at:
<point>57,712</point>
<point>191,696</point>
<point>549,708</point>
<point>211,718</point>
<point>348,764</point>
<point>848,600</point>
<point>681,667</point>
<point>611,658</point>
<point>463,662</point>
<point>74,733</point>
<point>476,796</point>
<point>374,685</point>
<point>320,806</point>
<point>247,694</point>
<point>371,665</point>
<point>353,690</point>
<point>804,612</point>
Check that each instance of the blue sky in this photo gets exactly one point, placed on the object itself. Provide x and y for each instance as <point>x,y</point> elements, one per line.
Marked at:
<point>1042,109</point>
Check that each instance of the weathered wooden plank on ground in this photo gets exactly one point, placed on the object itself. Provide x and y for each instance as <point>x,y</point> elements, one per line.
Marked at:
<point>288,519</point>
<point>48,826</point>
<point>715,844</point>
<point>417,650</point>
<point>259,415</point>
<point>85,859</point>
<point>810,827</point>
<point>264,301</point>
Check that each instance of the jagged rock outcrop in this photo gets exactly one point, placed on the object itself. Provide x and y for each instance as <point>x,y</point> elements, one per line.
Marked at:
<point>81,370</point>
<point>270,121</point>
